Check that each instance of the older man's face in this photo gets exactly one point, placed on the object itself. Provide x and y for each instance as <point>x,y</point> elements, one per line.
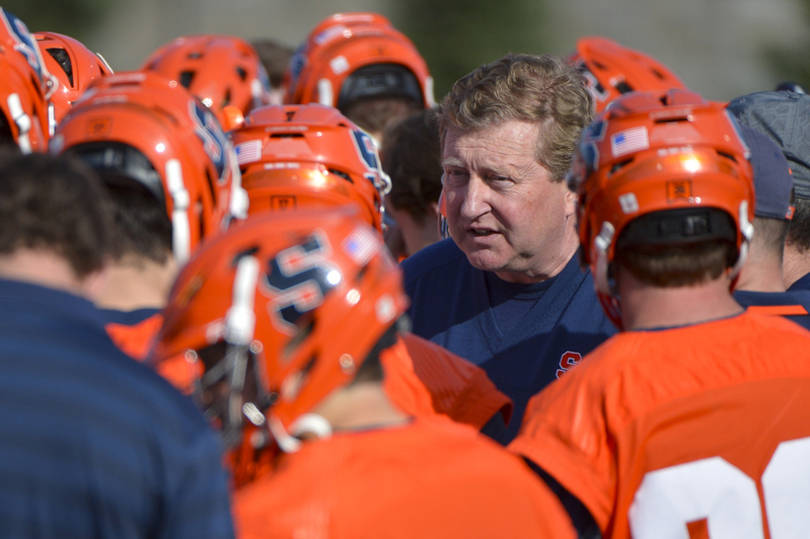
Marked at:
<point>503,210</point>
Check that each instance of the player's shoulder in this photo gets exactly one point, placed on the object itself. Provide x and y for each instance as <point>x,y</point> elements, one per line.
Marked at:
<point>430,259</point>
<point>774,331</point>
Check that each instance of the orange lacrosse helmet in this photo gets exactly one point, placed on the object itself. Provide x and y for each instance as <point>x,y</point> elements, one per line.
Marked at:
<point>25,87</point>
<point>278,313</point>
<point>611,70</point>
<point>669,161</point>
<point>297,156</point>
<point>220,70</point>
<point>73,64</point>
<point>140,128</point>
<point>350,56</point>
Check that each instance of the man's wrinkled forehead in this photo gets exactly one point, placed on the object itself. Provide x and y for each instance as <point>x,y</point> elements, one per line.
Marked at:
<point>455,132</point>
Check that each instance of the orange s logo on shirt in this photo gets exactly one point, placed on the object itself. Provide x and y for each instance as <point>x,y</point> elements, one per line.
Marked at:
<point>568,361</point>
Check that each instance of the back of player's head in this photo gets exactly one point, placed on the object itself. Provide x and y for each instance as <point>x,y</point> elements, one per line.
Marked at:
<point>412,158</point>
<point>301,156</point>
<point>73,64</point>
<point>785,118</point>
<point>544,90</point>
<point>355,58</point>
<point>142,131</point>
<point>612,70</point>
<point>275,58</point>
<point>55,204</point>
<point>666,189</point>
<point>280,312</point>
<point>220,70</point>
<point>25,87</point>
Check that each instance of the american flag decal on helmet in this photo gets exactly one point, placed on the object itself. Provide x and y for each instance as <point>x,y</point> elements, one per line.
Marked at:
<point>248,152</point>
<point>360,245</point>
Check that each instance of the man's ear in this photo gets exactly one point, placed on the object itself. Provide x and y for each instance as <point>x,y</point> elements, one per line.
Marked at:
<point>571,200</point>
<point>433,211</point>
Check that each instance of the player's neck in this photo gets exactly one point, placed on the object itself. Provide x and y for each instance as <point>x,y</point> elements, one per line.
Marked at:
<point>137,283</point>
<point>646,306</point>
<point>761,274</point>
<point>45,268</point>
<point>795,266</point>
<point>360,406</point>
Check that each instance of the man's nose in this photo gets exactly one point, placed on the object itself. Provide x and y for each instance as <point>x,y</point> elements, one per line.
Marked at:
<point>475,199</point>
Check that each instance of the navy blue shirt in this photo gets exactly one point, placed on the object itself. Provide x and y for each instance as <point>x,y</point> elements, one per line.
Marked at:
<point>523,336</point>
<point>92,443</point>
<point>803,283</point>
<point>127,318</point>
<point>798,298</point>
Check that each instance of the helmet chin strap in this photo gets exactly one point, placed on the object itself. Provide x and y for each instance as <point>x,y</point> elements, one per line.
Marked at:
<point>239,201</point>
<point>325,94</point>
<point>23,122</point>
<point>181,228</point>
<point>307,424</point>
<point>601,244</point>
<point>747,231</point>
<point>429,98</point>
<point>605,286</point>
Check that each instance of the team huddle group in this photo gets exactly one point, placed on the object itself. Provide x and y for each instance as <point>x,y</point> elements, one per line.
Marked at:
<point>249,291</point>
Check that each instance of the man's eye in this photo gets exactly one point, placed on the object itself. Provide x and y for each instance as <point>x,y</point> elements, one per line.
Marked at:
<point>455,174</point>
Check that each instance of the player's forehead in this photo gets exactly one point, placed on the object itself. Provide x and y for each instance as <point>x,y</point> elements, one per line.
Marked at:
<point>506,144</point>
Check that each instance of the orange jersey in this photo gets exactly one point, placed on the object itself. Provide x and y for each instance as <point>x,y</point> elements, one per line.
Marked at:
<point>697,431</point>
<point>423,378</point>
<point>431,478</point>
<point>135,337</point>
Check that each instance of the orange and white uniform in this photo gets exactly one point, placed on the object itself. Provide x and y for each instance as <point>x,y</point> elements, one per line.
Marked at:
<point>423,378</point>
<point>697,431</point>
<point>429,478</point>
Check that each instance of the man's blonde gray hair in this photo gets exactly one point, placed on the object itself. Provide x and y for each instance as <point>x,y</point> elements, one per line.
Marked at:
<point>544,90</point>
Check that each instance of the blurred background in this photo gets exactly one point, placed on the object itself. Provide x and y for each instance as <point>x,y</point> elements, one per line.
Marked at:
<point>720,48</point>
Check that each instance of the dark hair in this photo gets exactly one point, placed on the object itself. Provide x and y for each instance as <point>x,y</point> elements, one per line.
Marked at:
<point>274,57</point>
<point>374,114</point>
<point>677,265</point>
<point>769,236</point>
<point>678,247</point>
<point>411,156</point>
<point>55,203</point>
<point>371,369</point>
<point>798,236</point>
<point>142,226</point>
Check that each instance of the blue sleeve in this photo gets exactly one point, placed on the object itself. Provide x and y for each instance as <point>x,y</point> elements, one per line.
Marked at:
<point>581,518</point>
<point>198,502</point>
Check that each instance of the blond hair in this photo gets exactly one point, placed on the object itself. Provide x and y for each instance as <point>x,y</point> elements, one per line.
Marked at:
<point>544,90</point>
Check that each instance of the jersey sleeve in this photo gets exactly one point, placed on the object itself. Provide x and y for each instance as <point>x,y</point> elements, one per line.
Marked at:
<point>451,385</point>
<point>566,434</point>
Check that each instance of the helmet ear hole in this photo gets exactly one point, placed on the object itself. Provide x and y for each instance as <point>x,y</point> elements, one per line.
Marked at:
<point>63,59</point>
<point>185,78</point>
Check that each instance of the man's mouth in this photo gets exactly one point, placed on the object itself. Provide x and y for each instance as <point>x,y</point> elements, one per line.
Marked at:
<point>480,232</point>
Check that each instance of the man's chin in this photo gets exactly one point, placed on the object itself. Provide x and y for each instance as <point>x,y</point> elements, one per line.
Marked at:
<point>485,260</point>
